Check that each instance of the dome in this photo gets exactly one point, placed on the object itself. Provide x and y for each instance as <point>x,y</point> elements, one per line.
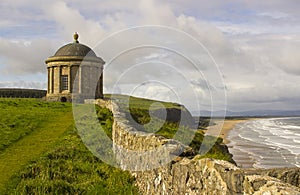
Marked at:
<point>73,52</point>
<point>75,49</point>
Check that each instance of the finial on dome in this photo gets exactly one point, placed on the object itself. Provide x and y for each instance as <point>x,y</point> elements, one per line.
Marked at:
<point>75,36</point>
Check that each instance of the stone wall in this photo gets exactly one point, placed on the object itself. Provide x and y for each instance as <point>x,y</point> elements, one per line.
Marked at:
<point>137,151</point>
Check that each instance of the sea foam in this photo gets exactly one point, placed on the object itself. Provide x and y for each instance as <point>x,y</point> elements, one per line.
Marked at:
<point>268,143</point>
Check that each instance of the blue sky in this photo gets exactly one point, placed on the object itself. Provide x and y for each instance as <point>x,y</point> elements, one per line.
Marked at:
<point>255,45</point>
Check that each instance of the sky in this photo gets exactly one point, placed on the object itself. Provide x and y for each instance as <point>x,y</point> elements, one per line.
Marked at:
<point>208,55</point>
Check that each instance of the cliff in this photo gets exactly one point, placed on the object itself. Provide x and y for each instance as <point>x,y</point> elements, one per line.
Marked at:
<point>154,162</point>
<point>209,176</point>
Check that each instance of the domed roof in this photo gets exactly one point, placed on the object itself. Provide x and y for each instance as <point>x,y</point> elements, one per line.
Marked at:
<point>75,52</point>
<point>75,49</point>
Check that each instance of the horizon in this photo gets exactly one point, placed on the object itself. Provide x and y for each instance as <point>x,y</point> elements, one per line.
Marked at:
<point>215,114</point>
<point>246,57</point>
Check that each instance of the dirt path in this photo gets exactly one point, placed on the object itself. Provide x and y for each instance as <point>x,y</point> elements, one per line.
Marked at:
<point>32,146</point>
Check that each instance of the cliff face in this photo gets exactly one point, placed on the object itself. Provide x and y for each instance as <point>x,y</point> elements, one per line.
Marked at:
<point>208,176</point>
<point>152,160</point>
<point>174,115</point>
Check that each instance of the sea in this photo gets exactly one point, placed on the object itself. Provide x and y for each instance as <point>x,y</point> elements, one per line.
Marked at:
<point>266,143</point>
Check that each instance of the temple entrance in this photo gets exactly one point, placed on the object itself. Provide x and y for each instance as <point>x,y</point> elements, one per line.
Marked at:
<point>63,99</point>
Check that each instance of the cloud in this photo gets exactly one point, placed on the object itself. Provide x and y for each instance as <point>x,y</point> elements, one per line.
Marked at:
<point>255,45</point>
<point>24,57</point>
<point>24,84</point>
<point>69,20</point>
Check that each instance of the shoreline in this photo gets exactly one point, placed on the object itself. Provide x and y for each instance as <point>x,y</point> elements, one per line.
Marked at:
<point>227,125</point>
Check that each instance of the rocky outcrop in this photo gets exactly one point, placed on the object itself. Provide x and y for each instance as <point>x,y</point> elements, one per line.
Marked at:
<point>141,153</point>
<point>208,176</point>
<point>286,175</point>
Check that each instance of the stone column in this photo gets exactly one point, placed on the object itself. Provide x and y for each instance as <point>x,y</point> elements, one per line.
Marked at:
<point>98,80</point>
<point>59,79</point>
<point>54,79</point>
<point>69,79</point>
<point>101,82</point>
<point>49,80</point>
<point>79,79</point>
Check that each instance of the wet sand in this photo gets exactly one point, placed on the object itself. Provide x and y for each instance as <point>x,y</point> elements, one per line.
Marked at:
<point>222,129</point>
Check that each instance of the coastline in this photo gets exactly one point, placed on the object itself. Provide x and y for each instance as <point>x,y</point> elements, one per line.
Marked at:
<point>262,142</point>
<point>227,125</point>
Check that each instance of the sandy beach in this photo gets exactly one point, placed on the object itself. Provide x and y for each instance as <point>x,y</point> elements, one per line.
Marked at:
<point>223,127</point>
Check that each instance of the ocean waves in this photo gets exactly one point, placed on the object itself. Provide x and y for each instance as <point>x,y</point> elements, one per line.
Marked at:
<point>266,143</point>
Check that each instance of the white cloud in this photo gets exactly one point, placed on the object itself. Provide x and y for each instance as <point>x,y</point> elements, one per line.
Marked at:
<point>254,43</point>
<point>24,57</point>
<point>24,84</point>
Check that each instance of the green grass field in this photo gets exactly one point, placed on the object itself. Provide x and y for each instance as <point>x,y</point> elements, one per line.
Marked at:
<point>41,153</point>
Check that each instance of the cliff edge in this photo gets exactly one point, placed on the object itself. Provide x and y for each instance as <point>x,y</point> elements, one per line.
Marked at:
<point>188,175</point>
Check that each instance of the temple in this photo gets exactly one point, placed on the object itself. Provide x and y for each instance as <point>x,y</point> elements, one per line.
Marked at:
<point>74,73</point>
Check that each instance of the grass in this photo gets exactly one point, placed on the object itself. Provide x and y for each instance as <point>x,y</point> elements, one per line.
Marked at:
<point>106,119</point>
<point>43,154</point>
<point>143,103</point>
<point>20,117</point>
<point>29,128</point>
<point>69,168</point>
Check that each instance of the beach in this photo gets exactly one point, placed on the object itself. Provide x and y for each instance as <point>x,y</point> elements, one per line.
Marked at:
<point>223,127</point>
<point>261,143</point>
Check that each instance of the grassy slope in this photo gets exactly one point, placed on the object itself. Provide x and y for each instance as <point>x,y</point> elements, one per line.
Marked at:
<point>31,147</point>
<point>142,103</point>
<point>69,168</point>
<point>27,128</point>
<point>20,117</point>
<point>49,157</point>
